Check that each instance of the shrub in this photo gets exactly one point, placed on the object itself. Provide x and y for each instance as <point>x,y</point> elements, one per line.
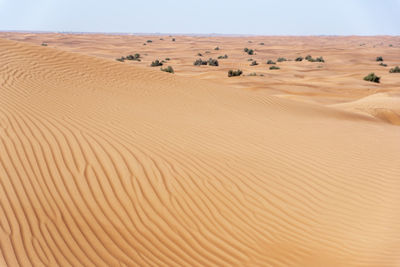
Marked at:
<point>232,73</point>
<point>149,41</point>
<point>249,51</point>
<point>217,48</point>
<point>122,59</point>
<point>168,69</point>
<point>199,54</point>
<point>383,64</point>
<point>270,62</point>
<point>390,45</point>
<point>254,63</point>
<point>156,63</point>
<point>223,57</point>
<point>167,59</point>
<point>133,57</point>
<point>253,74</point>
<point>262,44</point>
<point>200,62</point>
<point>274,68</point>
<point>281,59</point>
<point>379,59</point>
<point>250,59</point>
<point>207,52</point>
<point>44,44</point>
<point>372,78</point>
<point>395,70</point>
<point>299,59</point>
<point>161,39</point>
<point>173,39</point>
<point>213,62</point>
<point>318,59</point>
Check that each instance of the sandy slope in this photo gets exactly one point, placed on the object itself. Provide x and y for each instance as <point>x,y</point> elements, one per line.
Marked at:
<point>107,164</point>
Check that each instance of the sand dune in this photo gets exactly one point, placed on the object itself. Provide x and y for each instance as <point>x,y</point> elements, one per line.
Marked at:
<point>110,164</point>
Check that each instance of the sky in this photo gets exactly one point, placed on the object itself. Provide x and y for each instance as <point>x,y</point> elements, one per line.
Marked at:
<point>261,17</point>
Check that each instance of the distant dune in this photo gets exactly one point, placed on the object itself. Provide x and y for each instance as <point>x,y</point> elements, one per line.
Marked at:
<point>104,163</point>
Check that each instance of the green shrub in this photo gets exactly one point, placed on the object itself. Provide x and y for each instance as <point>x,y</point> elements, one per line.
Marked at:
<point>262,44</point>
<point>232,73</point>
<point>173,39</point>
<point>299,59</point>
<point>254,63</point>
<point>44,44</point>
<point>281,59</point>
<point>318,59</point>
<point>217,48</point>
<point>161,39</point>
<point>383,64</point>
<point>168,69</point>
<point>390,45</point>
<point>122,59</point>
<point>213,62</point>
<point>200,62</point>
<point>372,78</point>
<point>133,57</point>
<point>274,68</point>
<point>167,59</point>
<point>199,54</point>
<point>149,41</point>
<point>223,57</point>
<point>379,59</point>
<point>156,63</point>
<point>270,62</point>
<point>249,51</point>
<point>395,70</point>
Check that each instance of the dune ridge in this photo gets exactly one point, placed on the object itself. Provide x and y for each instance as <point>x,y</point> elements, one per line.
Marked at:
<point>106,164</point>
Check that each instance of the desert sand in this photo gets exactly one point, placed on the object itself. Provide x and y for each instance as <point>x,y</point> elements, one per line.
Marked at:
<point>107,163</point>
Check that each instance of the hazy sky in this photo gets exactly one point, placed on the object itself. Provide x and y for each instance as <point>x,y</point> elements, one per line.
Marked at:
<point>266,17</point>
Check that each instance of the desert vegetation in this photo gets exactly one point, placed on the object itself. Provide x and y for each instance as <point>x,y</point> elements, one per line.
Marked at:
<point>299,59</point>
<point>253,63</point>
<point>395,70</point>
<point>281,59</point>
<point>232,73</point>
<point>379,58</point>
<point>135,57</point>
<point>372,78</point>
<point>311,59</point>
<point>210,62</point>
<point>223,57</point>
<point>213,62</point>
<point>156,63</point>
<point>168,69</point>
<point>249,51</point>
<point>270,62</point>
<point>274,68</point>
<point>383,64</point>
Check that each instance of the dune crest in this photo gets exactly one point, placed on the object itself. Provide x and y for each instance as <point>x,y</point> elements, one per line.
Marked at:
<point>108,164</point>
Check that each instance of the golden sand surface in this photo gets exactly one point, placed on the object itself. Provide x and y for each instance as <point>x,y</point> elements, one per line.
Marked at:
<point>107,163</point>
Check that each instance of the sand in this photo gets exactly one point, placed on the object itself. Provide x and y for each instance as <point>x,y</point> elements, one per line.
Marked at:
<point>104,163</point>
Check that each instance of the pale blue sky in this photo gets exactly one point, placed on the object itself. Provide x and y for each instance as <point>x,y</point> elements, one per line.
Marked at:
<point>264,17</point>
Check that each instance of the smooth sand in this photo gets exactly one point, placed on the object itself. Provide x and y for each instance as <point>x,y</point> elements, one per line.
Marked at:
<point>104,163</point>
